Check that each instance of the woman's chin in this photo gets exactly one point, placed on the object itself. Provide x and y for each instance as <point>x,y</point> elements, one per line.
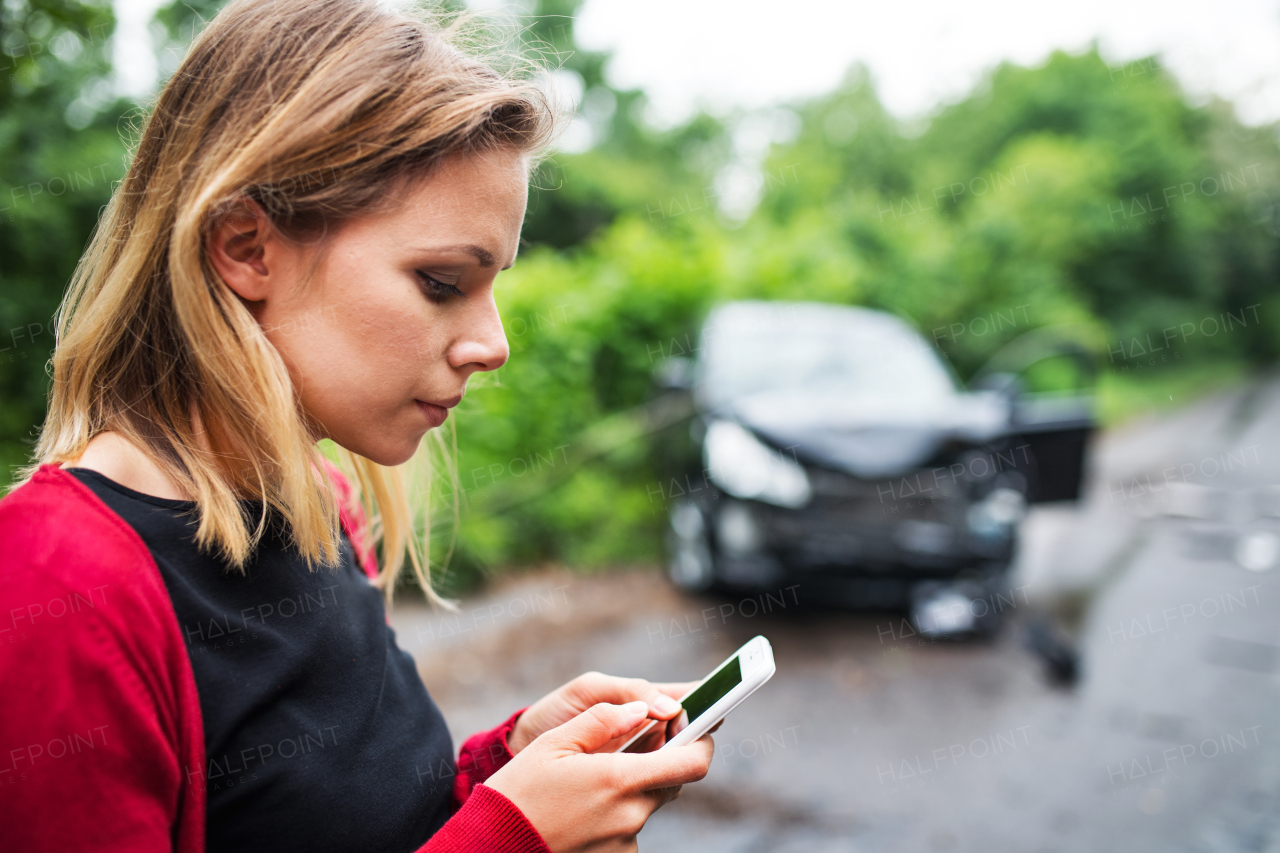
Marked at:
<point>387,454</point>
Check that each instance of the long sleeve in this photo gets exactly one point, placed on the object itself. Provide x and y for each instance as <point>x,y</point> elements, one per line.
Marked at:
<point>101,741</point>
<point>486,821</point>
<point>100,744</point>
<point>482,755</point>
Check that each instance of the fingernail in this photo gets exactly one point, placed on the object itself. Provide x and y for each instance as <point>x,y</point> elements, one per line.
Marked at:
<point>665,705</point>
<point>639,708</point>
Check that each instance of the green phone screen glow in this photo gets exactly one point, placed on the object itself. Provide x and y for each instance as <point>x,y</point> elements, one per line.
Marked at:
<point>713,689</point>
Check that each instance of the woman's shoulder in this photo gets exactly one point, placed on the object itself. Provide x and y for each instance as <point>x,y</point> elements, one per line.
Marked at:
<point>78,584</point>
<point>58,538</point>
<point>103,694</point>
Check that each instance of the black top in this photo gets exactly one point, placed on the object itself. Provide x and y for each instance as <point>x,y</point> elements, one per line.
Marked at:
<point>319,734</point>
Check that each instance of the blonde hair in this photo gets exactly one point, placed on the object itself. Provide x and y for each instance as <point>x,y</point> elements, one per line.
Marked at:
<point>314,109</point>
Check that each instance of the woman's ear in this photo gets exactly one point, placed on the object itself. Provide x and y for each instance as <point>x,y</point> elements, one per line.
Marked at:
<point>243,248</point>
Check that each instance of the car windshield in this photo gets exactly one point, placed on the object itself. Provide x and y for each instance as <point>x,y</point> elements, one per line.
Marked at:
<point>749,348</point>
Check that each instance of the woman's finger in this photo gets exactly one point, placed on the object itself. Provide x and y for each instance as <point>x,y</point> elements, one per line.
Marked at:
<point>670,767</point>
<point>654,739</point>
<point>594,688</point>
<point>676,689</point>
<point>597,726</point>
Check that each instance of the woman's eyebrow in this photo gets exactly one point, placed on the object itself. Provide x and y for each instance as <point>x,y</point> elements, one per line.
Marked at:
<point>484,256</point>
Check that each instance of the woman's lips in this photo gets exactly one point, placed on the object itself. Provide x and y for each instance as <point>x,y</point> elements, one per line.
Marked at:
<point>436,415</point>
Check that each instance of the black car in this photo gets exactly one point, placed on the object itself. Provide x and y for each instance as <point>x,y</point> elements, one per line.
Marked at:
<point>832,447</point>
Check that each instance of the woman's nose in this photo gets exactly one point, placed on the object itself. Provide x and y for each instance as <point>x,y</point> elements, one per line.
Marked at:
<point>483,343</point>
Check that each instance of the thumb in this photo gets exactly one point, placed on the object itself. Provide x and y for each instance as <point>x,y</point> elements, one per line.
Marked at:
<point>598,725</point>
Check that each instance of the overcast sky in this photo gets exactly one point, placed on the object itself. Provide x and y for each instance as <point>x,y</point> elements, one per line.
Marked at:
<point>726,53</point>
<point>755,53</point>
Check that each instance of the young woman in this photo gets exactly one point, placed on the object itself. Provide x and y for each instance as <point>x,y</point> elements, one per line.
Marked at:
<point>193,640</point>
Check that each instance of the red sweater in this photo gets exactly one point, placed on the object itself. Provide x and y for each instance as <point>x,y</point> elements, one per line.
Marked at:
<point>101,742</point>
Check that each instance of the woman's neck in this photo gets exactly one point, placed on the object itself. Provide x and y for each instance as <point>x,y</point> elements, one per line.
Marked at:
<point>114,457</point>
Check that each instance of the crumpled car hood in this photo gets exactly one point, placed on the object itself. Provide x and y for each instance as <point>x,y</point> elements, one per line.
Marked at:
<point>869,437</point>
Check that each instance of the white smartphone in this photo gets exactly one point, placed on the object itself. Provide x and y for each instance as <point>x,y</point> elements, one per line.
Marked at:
<point>711,700</point>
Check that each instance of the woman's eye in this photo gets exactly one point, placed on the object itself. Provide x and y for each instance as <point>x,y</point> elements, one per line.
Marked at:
<point>436,290</point>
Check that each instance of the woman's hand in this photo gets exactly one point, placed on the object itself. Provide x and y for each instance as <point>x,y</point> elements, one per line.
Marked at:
<point>582,799</point>
<point>590,689</point>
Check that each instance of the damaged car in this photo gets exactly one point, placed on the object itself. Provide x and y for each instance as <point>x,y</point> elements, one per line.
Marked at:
<point>833,447</point>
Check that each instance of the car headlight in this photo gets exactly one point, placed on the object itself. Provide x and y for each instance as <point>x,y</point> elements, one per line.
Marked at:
<point>746,468</point>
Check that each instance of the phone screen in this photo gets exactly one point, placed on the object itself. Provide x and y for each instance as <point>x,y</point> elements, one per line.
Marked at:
<point>713,689</point>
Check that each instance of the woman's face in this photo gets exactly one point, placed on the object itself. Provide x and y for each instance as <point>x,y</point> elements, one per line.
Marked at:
<point>381,339</point>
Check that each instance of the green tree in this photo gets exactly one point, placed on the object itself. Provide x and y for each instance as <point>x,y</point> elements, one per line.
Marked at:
<point>629,168</point>
<point>60,150</point>
<point>1072,192</point>
<point>1090,194</point>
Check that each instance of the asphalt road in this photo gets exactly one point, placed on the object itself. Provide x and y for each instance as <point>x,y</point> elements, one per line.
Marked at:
<point>872,739</point>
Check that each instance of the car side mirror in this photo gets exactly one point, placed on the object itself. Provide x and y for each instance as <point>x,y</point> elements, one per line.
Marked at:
<point>1005,384</point>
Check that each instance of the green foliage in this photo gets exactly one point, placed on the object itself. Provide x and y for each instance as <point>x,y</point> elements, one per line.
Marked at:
<point>60,149</point>
<point>1043,199</point>
<point>1092,195</point>
<point>1073,194</point>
